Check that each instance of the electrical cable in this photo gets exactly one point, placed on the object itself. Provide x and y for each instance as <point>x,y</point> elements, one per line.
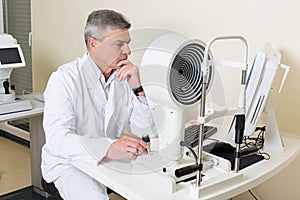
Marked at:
<point>265,155</point>
<point>258,142</point>
<point>187,145</point>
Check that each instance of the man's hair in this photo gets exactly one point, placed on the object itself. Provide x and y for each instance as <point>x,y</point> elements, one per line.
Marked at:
<point>99,22</point>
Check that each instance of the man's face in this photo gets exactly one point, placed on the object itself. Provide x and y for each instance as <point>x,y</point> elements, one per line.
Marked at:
<point>112,49</point>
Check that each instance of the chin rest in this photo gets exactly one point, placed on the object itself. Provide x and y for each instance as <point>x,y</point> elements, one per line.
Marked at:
<point>51,189</point>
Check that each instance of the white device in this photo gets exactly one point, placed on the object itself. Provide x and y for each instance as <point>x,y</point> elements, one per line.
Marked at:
<point>259,89</point>
<point>176,73</point>
<point>259,84</point>
<point>11,56</point>
<point>171,76</point>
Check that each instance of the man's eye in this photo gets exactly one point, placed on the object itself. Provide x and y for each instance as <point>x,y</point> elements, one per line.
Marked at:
<point>119,45</point>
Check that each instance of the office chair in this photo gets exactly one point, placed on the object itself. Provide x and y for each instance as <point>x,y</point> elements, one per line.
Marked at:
<point>51,189</point>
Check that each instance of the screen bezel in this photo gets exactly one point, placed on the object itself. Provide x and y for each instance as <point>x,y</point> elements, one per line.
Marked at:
<point>13,65</point>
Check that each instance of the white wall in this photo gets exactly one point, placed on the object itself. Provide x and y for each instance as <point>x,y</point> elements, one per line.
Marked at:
<point>57,28</point>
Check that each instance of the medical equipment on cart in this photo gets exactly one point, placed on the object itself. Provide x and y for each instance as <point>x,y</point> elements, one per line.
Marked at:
<point>176,73</point>
<point>11,56</point>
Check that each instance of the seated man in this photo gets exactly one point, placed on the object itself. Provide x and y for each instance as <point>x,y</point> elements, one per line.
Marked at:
<point>87,104</point>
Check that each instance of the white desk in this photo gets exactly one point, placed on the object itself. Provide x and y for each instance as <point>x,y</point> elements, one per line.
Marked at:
<point>37,136</point>
<point>38,109</point>
<point>148,186</point>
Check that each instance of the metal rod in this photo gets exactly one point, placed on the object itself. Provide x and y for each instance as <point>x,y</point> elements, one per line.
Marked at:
<point>242,100</point>
<point>237,159</point>
<point>201,130</point>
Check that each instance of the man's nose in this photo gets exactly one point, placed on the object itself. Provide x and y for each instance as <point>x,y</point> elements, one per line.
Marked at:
<point>126,49</point>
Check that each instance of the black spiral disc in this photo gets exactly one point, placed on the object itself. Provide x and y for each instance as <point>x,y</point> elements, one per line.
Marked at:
<point>185,74</point>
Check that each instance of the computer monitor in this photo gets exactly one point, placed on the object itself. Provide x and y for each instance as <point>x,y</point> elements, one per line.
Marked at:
<point>11,56</point>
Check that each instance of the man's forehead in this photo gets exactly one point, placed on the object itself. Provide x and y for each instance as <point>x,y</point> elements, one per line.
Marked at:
<point>117,34</point>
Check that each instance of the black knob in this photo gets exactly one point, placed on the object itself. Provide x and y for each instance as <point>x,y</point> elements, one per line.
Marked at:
<point>146,138</point>
<point>6,87</point>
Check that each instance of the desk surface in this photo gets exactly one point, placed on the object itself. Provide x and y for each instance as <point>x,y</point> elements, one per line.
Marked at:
<point>149,185</point>
<point>38,109</point>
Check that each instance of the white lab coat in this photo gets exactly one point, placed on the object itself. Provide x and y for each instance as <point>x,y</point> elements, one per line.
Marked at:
<point>80,123</point>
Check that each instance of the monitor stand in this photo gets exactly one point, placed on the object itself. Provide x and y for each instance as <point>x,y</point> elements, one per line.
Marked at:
<point>273,141</point>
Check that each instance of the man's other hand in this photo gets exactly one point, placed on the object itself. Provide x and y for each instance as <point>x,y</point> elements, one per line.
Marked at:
<point>127,147</point>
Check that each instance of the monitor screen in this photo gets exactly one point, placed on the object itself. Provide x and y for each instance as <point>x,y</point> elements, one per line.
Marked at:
<point>11,56</point>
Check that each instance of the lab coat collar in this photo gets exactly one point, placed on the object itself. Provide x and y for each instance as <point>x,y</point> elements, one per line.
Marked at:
<point>111,78</point>
<point>91,70</point>
<point>96,73</point>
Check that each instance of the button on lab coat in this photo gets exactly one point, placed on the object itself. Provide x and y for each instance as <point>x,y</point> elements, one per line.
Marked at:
<point>80,122</point>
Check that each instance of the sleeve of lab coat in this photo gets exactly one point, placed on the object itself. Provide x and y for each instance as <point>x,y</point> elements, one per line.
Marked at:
<point>59,125</point>
<point>141,121</point>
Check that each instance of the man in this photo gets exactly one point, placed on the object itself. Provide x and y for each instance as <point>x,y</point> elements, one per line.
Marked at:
<point>87,104</point>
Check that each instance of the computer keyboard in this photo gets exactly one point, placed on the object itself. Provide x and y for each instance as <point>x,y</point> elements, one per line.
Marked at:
<point>15,106</point>
<point>191,133</point>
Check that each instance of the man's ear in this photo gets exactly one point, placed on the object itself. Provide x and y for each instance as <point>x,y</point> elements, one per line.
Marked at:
<point>92,43</point>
